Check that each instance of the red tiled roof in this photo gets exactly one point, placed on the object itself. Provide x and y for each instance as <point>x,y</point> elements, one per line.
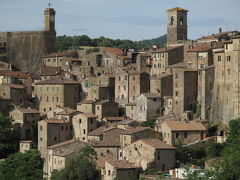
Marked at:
<point>15,86</point>
<point>177,9</point>
<point>58,80</point>
<point>61,54</point>
<point>28,110</point>
<point>63,144</point>
<point>185,126</point>
<point>121,164</point>
<point>106,144</point>
<point>157,144</point>
<point>132,130</point>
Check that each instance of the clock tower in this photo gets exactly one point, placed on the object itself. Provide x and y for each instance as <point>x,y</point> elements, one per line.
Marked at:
<point>49,20</point>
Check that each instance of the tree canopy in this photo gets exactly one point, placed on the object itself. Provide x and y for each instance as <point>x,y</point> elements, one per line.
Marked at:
<point>74,42</point>
<point>8,138</point>
<point>22,166</point>
<point>82,167</point>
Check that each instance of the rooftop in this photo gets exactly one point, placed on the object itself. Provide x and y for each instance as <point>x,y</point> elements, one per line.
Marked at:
<point>28,110</point>
<point>62,152</point>
<point>106,144</point>
<point>63,144</point>
<point>121,164</point>
<point>177,9</point>
<point>152,95</point>
<point>58,80</point>
<point>132,130</point>
<point>157,144</point>
<point>185,126</point>
<point>55,121</point>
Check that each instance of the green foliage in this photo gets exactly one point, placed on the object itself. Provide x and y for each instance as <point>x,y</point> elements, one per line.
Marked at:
<point>227,166</point>
<point>8,138</point>
<point>197,113</point>
<point>214,150</point>
<point>212,131</point>
<point>73,42</point>
<point>80,168</point>
<point>148,123</point>
<point>22,166</point>
<point>195,155</point>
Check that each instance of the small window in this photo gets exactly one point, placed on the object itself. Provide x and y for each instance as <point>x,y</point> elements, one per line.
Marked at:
<point>185,135</point>
<point>55,138</point>
<point>109,172</point>
<point>84,131</point>
<point>108,151</point>
<point>80,121</point>
<point>176,93</point>
<point>41,128</point>
<point>133,77</point>
<point>219,58</point>
<point>177,135</point>
<point>62,128</point>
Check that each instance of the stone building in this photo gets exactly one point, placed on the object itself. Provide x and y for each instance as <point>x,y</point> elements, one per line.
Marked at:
<point>25,146</point>
<point>106,108</point>
<point>99,92</point>
<point>144,62</point>
<point>25,122</point>
<point>86,106</point>
<point>106,149</point>
<point>52,131</point>
<point>15,92</point>
<point>129,85</point>
<point>117,169</point>
<point>131,134</point>
<point>185,132</point>
<point>25,49</point>
<point>148,106</point>
<point>185,90</point>
<point>64,113</point>
<point>57,92</point>
<point>59,59</point>
<point>83,123</point>
<point>164,57</point>
<point>225,105</point>
<point>60,155</point>
<point>150,153</point>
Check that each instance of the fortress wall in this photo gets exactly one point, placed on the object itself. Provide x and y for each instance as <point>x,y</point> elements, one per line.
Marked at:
<point>26,49</point>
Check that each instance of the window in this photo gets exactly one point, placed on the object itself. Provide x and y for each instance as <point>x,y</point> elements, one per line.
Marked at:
<point>40,139</point>
<point>122,96</point>
<point>158,155</point>
<point>91,121</point>
<point>176,76</point>
<point>185,135</point>
<point>134,88</point>
<point>226,47</point>
<point>134,78</point>
<point>108,151</point>
<point>84,131</point>
<point>219,58</point>
<point>228,72</point>
<point>80,121</point>
<point>109,172</point>
<point>40,98</point>
<point>55,138</point>
<point>177,135</point>
<point>181,21</point>
<point>57,98</point>
<point>228,58</point>
<point>119,78</point>
<point>124,87</point>
<point>62,128</point>
<point>47,99</point>
<point>171,20</point>
<point>125,77</point>
<point>176,93</point>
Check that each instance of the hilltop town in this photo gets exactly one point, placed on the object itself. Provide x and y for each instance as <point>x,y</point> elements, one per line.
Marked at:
<point>134,107</point>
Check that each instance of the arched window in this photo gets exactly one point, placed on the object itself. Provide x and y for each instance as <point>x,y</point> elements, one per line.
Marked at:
<point>181,21</point>
<point>172,20</point>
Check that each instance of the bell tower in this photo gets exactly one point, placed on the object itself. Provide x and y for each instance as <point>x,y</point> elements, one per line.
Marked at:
<point>49,19</point>
<point>177,25</point>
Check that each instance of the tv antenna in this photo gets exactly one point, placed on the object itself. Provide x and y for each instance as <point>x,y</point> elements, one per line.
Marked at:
<point>49,4</point>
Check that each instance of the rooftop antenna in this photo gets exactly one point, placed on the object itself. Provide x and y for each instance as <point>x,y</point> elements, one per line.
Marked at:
<point>49,4</point>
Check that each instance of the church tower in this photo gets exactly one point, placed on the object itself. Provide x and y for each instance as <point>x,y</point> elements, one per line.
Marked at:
<point>177,25</point>
<point>49,21</point>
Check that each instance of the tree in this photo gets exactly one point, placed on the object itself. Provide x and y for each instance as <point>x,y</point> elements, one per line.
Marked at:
<point>82,167</point>
<point>22,166</point>
<point>8,137</point>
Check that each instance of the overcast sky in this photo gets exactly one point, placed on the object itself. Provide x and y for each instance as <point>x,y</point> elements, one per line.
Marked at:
<point>124,19</point>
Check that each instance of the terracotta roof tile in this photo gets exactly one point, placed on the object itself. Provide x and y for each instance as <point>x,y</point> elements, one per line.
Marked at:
<point>185,126</point>
<point>177,9</point>
<point>59,145</point>
<point>132,130</point>
<point>121,164</point>
<point>157,144</point>
<point>28,110</point>
<point>106,144</point>
<point>58,80</point>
